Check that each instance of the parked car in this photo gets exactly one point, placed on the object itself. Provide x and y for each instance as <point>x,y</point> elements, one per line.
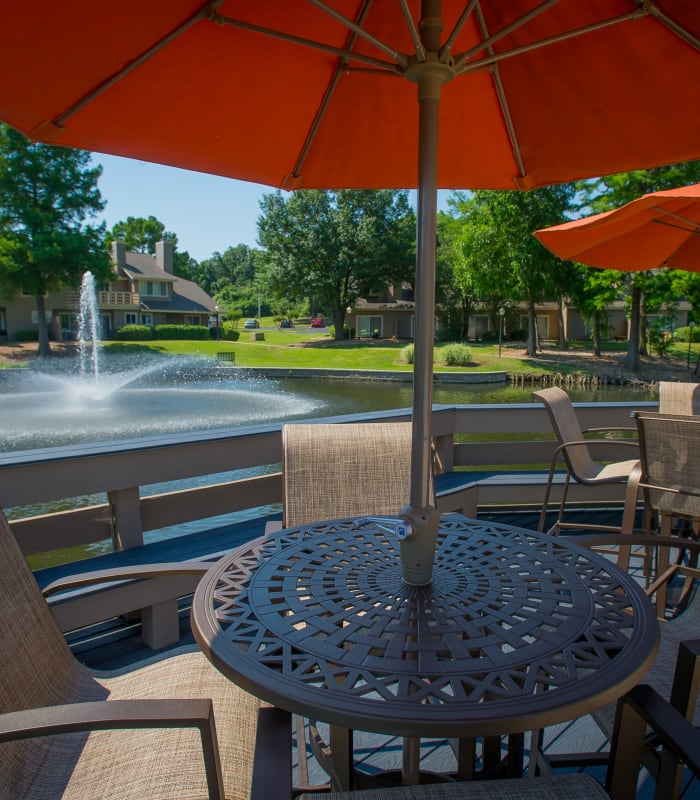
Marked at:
<point>286,323</point>
<point>317,322</point>
<point>251,323</point>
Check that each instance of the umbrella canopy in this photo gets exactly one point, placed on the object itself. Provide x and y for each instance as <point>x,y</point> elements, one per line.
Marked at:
<point>661,229</point>
<point>361,94</point>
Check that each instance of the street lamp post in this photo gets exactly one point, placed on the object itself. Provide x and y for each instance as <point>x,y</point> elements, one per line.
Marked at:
<point>501,314</point>
<point>348,311</point>
<point>217,309</point>
<point>691,325</point>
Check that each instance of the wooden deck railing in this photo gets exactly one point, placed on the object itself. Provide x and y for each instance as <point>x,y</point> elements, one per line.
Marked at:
<point>473,436</point>
<point>236,470</point>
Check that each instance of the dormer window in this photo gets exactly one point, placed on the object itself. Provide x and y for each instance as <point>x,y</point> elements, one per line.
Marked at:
<point>153,288</point>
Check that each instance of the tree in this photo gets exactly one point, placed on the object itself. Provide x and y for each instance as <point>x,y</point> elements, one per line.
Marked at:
<point>46,194</point>
<point>501,246</point>
<point>613,191</point>
<point>140,234</point>
<point>334,247</point>
<point>591,291</point>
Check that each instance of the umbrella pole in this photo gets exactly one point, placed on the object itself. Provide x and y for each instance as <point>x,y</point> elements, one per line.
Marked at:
<point>418,552</point>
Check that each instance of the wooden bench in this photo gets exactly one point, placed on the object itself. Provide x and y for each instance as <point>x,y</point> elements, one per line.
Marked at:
<point>227,356</point>
<point>159,617</point>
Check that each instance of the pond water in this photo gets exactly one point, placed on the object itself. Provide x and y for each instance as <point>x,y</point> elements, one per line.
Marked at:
<point>54,405</point>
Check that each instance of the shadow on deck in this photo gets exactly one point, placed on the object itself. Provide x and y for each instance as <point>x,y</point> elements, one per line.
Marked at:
<point>117,643</point>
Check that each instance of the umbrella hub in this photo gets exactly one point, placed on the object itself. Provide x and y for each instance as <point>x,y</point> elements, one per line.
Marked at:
<point>429,73</point>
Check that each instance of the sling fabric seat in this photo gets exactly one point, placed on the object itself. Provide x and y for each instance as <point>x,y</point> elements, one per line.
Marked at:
<point>679,398</point>
<point>41,682</point>
<point>334,470</point>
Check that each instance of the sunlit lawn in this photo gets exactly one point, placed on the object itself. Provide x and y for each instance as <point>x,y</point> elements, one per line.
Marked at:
<point>317,350</point>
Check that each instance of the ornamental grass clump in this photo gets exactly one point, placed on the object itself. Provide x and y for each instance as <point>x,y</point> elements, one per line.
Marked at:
<point>457,355</point>
<point>407,354</point>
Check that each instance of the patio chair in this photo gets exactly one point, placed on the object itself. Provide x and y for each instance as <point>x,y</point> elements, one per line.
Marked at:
<point>335,470</point>
<point>679,398</point>
<point>345,470</point>
<point>574,449</point>
<point>639,709</point>
<point>70,732</point>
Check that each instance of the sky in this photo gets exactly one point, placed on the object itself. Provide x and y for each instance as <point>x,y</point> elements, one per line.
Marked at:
<point>208,214</point>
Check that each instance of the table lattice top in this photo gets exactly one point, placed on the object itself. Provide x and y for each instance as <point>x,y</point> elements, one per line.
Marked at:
<point>517,630</point>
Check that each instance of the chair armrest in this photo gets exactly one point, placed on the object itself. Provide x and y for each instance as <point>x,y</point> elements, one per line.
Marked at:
<point>127,573</point>
<point>272,764</point>
<point>600,430</point>
<point>686,678</point>
<point>118,715</point>
<point>588,442</point>
<point>644,706</point>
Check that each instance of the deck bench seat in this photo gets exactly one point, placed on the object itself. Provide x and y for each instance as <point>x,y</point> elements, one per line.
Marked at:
<point>155,598</point>
<point>464,490</point>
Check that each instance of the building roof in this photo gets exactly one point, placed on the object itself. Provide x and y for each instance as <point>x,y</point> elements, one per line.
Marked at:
<point>140,266</point>
<point>186,296</point>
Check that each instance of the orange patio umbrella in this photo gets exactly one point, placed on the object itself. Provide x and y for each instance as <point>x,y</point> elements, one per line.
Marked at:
<point>661,229</point>
<point>512,94</point>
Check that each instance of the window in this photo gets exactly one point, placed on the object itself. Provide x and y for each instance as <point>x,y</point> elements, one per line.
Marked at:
<point>369,327</point>
<point>542,322</point>
<point>195,320</point>
<point>147,319</point>
<point>153,288</point>
<point>131,318</point>
<point>35,316</point>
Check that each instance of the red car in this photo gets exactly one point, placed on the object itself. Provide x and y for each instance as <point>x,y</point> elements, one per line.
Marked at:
<point>317,322</point>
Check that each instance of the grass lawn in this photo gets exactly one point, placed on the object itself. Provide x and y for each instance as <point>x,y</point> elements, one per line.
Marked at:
<point>317,350</point>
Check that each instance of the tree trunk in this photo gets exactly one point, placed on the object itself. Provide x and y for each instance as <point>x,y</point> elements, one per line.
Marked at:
<point>339,323</point>
<point>631,361</point>
<point>44,347</point>
<point>531,330</point>
<point>596,334</point>
<point>563,343</point>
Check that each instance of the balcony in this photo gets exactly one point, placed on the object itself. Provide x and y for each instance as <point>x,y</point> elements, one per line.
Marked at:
<point>106,300</point>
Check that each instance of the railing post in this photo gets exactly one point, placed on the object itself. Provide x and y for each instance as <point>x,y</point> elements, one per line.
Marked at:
<point>127,527</point>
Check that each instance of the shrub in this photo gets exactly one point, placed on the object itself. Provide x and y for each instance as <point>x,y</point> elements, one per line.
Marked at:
<point>229,332</point>
<point>27,336</point>
<point>135,333</point>
<point>683,334</point>
<point>408,353</point>
<point>182,332</point>
<point>347,333</point>
<point>457,355</point>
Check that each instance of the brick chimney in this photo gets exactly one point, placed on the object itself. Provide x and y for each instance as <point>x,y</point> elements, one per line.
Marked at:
<point>119,254</point>
<point>164,255</point>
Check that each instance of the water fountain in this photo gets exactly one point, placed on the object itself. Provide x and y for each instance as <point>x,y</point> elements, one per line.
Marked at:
<point>96,396</point>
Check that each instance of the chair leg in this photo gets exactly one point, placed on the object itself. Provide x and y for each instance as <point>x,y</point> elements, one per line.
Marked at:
<point>547,492</point>
<point>555,529</point>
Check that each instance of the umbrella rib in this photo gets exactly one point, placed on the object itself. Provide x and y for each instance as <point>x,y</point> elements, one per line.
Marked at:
<point>203,13</point>
<point>400,58</point>
<point>328,95</point>
<point>518,23</point>
<point>463,17</point>
<point>655,11</point>
<point>694,227</point>
<point>503,101</point>
<point>474,66</point>
<point>415,36</point>
<point>312,43</point>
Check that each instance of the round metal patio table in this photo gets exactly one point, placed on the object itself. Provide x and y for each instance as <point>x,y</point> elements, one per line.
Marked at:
<point>517,631</point>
